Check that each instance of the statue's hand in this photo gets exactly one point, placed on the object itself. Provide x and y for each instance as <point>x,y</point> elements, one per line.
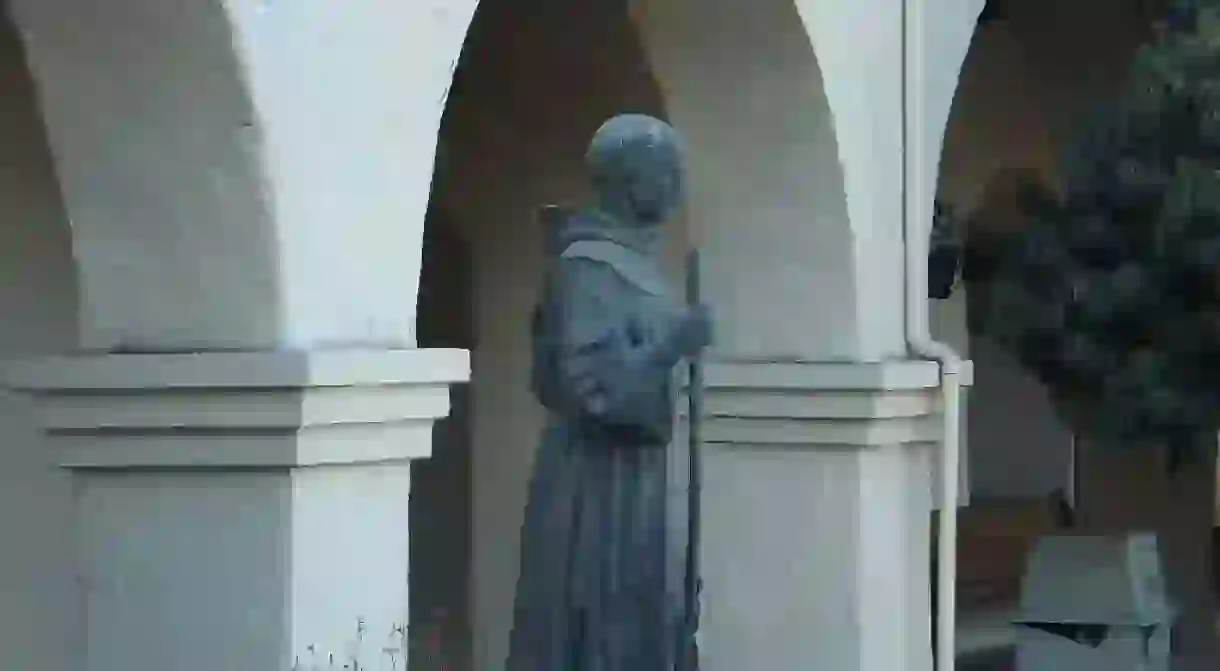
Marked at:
<point>695,329</point>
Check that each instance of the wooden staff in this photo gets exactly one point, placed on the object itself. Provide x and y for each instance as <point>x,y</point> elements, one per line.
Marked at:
<point>688,651</point>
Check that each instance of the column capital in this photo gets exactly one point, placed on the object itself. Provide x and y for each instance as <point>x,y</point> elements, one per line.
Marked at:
<point>831,404</point>
<point>274,409</point>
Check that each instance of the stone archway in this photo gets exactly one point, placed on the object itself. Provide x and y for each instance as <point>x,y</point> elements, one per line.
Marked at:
<point>270,165</point>
<point>217,158</point>
<point>797,203</point>
<point>529,93</point>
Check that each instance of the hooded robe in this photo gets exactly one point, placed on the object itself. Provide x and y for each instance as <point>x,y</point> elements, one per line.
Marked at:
<point>592,593</point>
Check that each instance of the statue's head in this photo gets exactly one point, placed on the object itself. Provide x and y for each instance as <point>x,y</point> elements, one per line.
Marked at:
<point>635,162</point>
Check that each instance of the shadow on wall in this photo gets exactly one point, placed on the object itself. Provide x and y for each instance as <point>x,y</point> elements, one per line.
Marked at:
<point>441,488</point>
<point>38,301</point>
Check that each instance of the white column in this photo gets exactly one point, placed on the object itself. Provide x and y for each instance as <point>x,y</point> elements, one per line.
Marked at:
<point>816,498</point>
<point>243,511</point>
<point>821,434</point>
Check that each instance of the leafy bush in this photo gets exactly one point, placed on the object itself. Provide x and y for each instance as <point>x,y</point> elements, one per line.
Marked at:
<point>1109,292</point>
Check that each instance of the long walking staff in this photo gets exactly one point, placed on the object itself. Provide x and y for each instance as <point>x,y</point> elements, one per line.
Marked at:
<point>687,658</point>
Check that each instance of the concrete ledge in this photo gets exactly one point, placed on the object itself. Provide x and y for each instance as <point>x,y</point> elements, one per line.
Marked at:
<point>239,408</point>
<point>823,434</point>
<point>896,375</point>
<point>239,370</point>
<point>822,404</point>
<point>250,409</point>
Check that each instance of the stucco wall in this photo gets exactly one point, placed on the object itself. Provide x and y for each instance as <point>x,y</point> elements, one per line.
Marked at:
<point>37,316</point>
<point>160,155</point>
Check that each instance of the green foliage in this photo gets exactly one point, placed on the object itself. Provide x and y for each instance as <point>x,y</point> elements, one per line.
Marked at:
<point>1110,293</point>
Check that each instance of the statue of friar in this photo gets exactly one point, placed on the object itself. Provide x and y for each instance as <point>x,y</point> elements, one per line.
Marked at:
<point>608,333</point>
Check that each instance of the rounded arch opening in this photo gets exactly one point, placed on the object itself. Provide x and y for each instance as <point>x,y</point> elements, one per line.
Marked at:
<point>1034,71</point>
<point>528,93</point>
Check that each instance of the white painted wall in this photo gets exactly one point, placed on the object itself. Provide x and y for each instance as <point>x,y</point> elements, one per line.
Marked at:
<point>349,95</point>
<point>39,623</point>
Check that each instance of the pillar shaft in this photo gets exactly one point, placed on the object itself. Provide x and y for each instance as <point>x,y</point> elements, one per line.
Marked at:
<point>816,493</point>
<point>243,511</point>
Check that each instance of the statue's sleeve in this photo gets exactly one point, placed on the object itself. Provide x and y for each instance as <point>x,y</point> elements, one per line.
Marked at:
<point>613,370</point>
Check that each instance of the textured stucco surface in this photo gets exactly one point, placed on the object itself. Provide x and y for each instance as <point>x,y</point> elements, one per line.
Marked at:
<point>157,150</point>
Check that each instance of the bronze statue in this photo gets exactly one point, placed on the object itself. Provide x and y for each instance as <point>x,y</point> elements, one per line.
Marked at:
<point>608,333</point>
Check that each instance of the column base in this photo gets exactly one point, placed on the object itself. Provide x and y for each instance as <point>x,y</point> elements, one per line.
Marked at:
<point>247,510</point>
<point>817,488</point>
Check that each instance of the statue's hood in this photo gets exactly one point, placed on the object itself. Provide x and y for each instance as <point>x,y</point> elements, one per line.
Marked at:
<point>565,226</point>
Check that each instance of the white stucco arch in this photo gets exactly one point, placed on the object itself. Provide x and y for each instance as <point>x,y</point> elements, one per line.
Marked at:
<point>244,175</point>
<point>797,201</point>
<point>834,74</point>
<point>155,142</point>
<point>249,175</point>
<point>768,204</point>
